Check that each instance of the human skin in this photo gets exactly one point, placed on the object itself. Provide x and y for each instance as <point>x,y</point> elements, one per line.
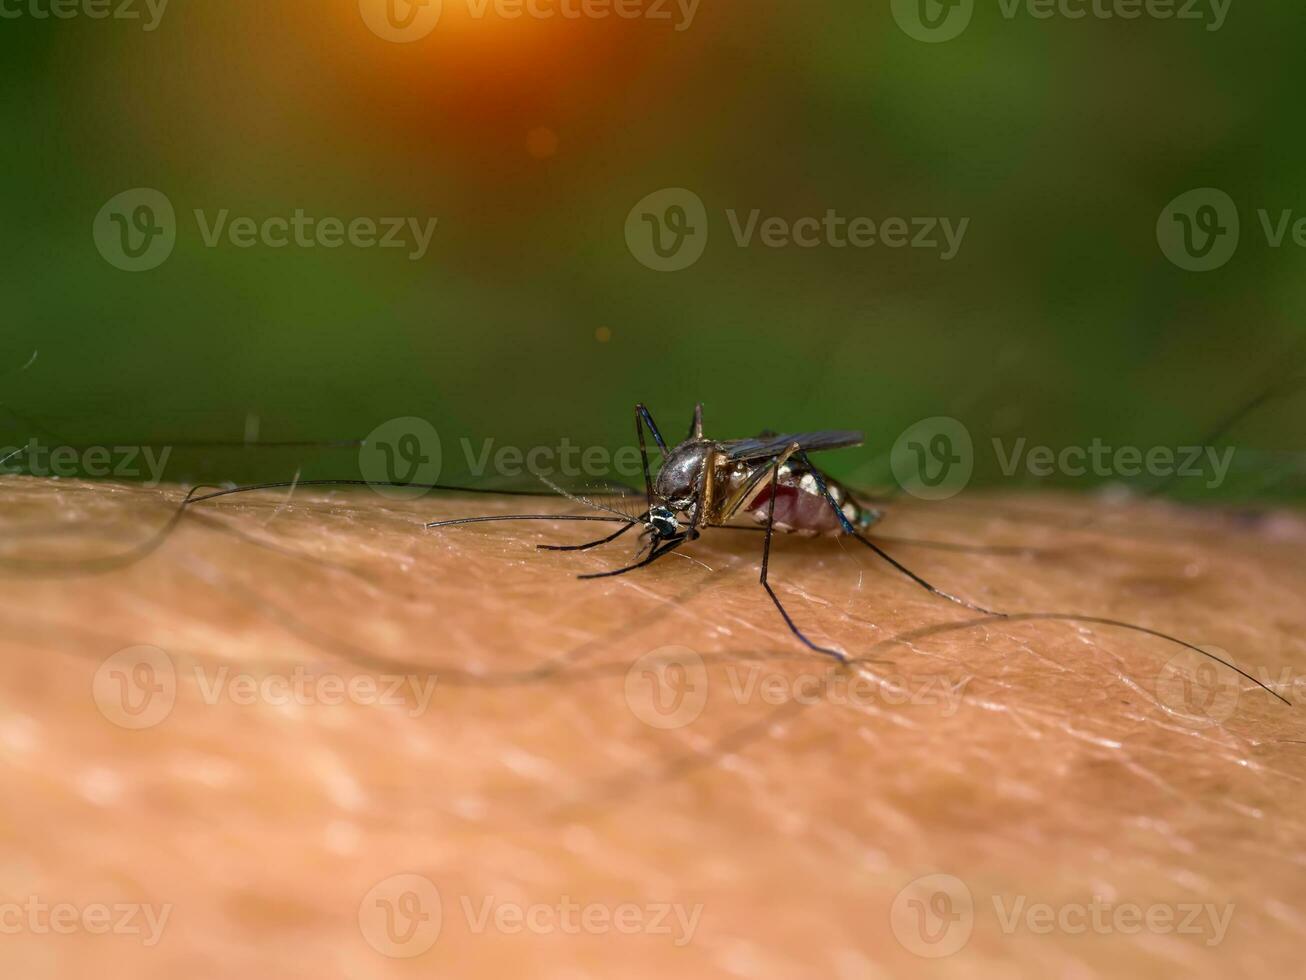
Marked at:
<point>1044,765</point>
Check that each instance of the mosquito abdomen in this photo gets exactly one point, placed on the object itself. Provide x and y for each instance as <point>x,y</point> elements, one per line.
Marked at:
<point>801,507</point>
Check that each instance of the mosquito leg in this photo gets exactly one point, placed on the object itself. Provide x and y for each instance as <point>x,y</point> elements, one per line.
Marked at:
<point>1070,617</point>
<point>970,549</point>
<point>647,418</point>
<point>699,517</point>
<point>665,548</point>
<point>586,547</point>
<point>766,562</point>
<point>850,530</point>
<point>643,455</point>
<point>643,418</point>
<point>922,582</point>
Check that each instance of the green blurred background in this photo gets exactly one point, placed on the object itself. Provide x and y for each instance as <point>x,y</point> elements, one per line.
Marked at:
<point>1059,320</point>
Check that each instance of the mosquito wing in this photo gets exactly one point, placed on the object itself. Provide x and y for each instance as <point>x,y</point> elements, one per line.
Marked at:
<point>768,445</point>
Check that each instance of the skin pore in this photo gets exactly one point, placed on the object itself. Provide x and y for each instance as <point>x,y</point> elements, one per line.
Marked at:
<point>305,737</point>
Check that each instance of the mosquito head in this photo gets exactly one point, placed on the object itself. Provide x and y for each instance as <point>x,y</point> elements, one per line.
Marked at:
<point>662,522</point>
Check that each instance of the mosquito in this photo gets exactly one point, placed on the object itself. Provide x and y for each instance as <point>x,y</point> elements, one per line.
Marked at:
<point>706,483</point>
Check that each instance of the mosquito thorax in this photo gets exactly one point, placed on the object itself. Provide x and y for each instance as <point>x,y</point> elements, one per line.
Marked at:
<point>678,480</point>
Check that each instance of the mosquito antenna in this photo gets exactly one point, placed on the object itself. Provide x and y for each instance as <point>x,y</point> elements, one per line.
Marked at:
<point>583,501</point>
<point>281,485</point>
<point>455,522</point>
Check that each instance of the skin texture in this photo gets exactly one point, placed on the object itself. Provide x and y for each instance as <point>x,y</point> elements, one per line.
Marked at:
<point>1035,762</point>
